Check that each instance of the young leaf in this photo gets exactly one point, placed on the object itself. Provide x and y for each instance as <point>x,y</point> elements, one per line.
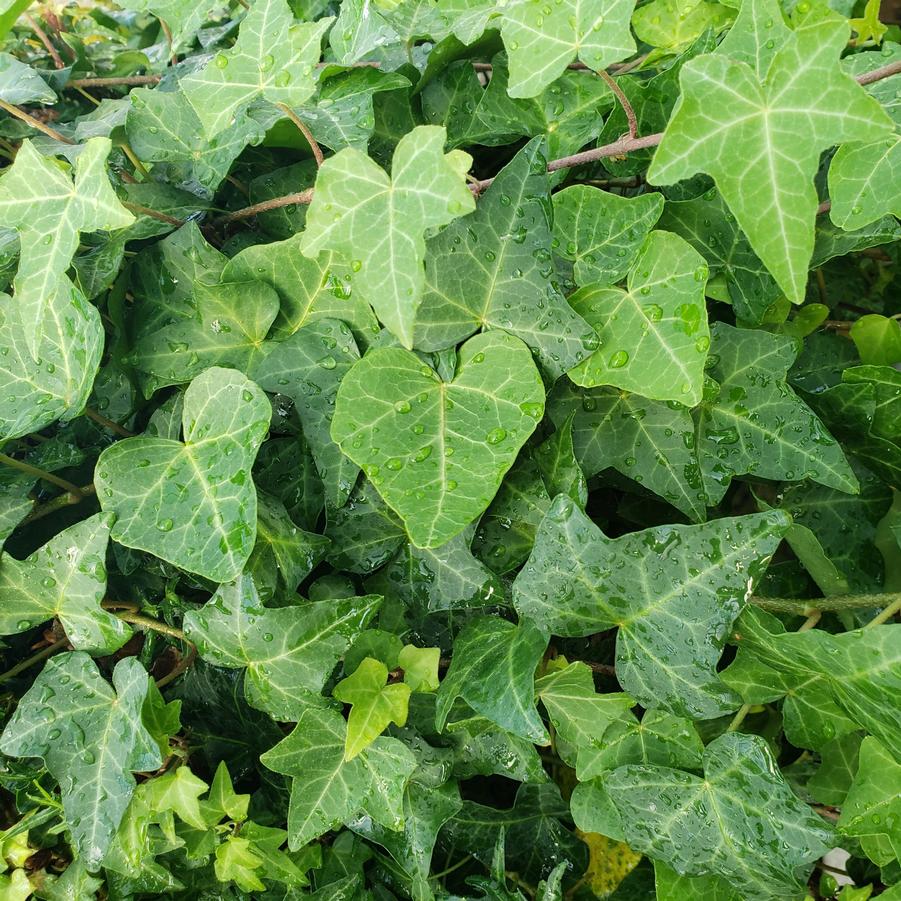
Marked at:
<point>653,336</point>
<point>288,652</point>
<point>91,739</point>
<point>178,791</point>
<point>374,704</point>
<point>493,670</point>
<point>601,233</point>
<point>438,450</point>
<point>377,223</point>
<point>741,821</point>
<point>66,578</point>
<point>272,59</point>
<point>327,789</point>
<point>673,618</point>
<point>39,199</point>
<point>225,419</point>
<point>484,271</point>
<point>769,188</point>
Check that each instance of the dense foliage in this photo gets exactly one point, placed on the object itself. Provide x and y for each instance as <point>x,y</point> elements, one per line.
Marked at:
<point>450,450</point>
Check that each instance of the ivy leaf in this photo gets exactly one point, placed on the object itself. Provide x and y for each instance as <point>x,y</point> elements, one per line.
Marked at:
<point>162,127</point>
<point>182,19</point>
<point>309,289</point>
<point>178,790</point>
<point>420,666</point>
<point>91,739</point>
<point>309,367</point>
<point>484,270</point>
<point>673,618</point>
<point>541,40</point>
<point>653,336</point>
<point>493,670</point>
<point>375,704</point>
<point>326,789</point>
<point>49,210</point>
<point>872,809</point>
<point>668,24</point>
<point>438,450</point>
<point>444,578</point>
<point>22,84</point>
<point>753,830</point>
<point>36,394</point>
<point>228,329</point>
<point>770,190</point>
<point>377,222</point>
<point>272,59</point>
<point>743,425</point>
<point>66,578</point>
<point>225,418</point>
<point>863,182</point>
<point>288,652</point>
<point>602,233</point>
<point>650,442</point>
<point>859,669</point>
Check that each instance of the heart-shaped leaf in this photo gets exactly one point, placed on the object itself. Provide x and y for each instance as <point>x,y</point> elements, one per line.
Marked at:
<point>167,494</point>
<point>437,451</point>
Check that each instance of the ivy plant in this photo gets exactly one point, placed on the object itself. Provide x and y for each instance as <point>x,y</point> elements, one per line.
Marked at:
<point>450,450</point>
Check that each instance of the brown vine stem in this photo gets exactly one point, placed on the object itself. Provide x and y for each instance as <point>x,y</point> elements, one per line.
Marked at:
<point>42,37</point>
<point>38,473</point>
<point>184,664</point>
<point>67,499</point>
<point>102,420</point>
<point>154,214</point>
<point>623,101</point>
<point>43,654</point>
<point>619,147</point>
<point>34,123</point>
<point>302,128</point>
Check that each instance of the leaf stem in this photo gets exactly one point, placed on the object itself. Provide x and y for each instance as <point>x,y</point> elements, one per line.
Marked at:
<point>153,624</point>
<point>623,101</point>
<point>42,37</point>
<point>154,214</point>
<point>123,80</point>
<point>887,613</point>
<point>302,128</point>
<point>34,123</point>
<point>184,664</point>
<point>67,499</point>
<point>43,654</point>
<point>265,205</point>
<point>39,473</point>
<point>101,420</point>
<point>128,150</point>
<point>808,606</point>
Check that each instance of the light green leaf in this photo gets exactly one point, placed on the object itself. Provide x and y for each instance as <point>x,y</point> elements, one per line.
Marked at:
<point>754,423</point>
<point>669,24</point>
<point>183,19</point>
<point>653,336</point>
<point>437,450</point>
<point>783,116</point>
<point>485,271</point>
<point>326,789</point>
<point>878,341</point>
<point>223,801</point>
<point>178,790</point>
<point>66,578</point>
<point>163,491</point>
<point>542,40</point>
<point>673,616</point>
<point>602,233</point>
<point>309,289</point>
<point>22,84</point>
<point>493,670</point>
<point>39,199</point>
<point>650,442</point>
<point>272,60</point>
<point>375,704</point>
<point>420,666</point>
<point>228,328</point>
<point>863,182</point>
<point>32,394</point>
<point>288,653</point>
<point>741,821</point>
<point>377,223</point>
<point>309,367</point>
<point>162,127</point>
<point>237,862</point>
<point>872,810</point>
<point>90,738</point>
